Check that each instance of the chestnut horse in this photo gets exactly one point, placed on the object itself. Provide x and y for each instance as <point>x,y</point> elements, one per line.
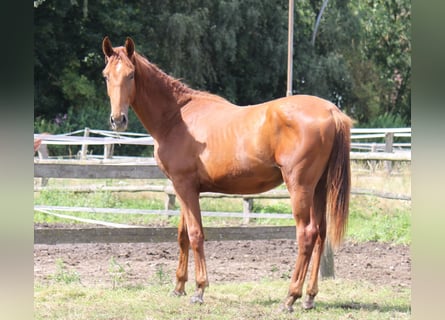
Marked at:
<point>205,143</point>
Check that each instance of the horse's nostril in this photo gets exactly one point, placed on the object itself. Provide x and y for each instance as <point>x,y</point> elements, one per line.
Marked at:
<point>118,123</point>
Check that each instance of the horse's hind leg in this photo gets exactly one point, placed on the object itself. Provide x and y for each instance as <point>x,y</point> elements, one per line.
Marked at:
<point>312,288</point>
<point>307,234</point>
<point>320,216</point>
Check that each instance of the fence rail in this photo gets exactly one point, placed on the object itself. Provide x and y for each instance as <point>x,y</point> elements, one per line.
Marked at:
<point>384,140</point>
<point>154,235</point>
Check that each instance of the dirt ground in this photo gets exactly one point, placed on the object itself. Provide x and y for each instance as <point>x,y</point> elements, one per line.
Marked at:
<point>142,263</point>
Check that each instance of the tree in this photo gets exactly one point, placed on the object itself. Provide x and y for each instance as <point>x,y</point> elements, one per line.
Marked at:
<point>360,59</point>
<point>387,43</point>
<point>324,63</point>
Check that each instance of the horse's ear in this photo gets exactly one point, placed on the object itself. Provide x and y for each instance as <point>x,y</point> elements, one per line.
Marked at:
<point>129,46</point>
<point>107,48</point>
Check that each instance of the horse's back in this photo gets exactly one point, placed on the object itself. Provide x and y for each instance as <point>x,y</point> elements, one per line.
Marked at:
<point>297,116</point>
<point>303,107</point>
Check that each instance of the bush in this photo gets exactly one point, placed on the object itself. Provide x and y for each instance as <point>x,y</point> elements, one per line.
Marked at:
<point>386,120</point>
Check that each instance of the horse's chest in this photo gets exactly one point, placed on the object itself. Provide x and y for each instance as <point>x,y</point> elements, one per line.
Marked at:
<point>161,162</point>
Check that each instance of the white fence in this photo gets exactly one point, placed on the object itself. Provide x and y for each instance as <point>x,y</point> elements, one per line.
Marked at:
<point>388,134</point>
<point>383,148</point>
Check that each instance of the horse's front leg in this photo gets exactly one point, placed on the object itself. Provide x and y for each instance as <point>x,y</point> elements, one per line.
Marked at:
<point>182,270</point>
<point>191,216</point>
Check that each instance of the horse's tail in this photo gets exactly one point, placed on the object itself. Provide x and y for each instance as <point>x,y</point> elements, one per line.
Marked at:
<point>339,180</point>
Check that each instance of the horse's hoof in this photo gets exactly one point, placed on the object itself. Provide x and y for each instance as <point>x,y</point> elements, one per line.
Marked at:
<point>308,304</point>
<point>196,299</point>
<point>178,293</point>
<point>287,309</point>
<point>288,304</point>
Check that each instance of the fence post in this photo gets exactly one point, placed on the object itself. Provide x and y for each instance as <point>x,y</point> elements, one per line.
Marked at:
<point>84,150</point>
<point>327,269</point>
<point>247,209</point>
<point>389,138</point>
<point>170,198</point>
<point>373,163</point>
<point>170,201</point>
<point>108,151</point>
<point>42,151</point>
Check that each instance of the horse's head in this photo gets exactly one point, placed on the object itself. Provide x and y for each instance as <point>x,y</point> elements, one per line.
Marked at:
<point>119,76</point>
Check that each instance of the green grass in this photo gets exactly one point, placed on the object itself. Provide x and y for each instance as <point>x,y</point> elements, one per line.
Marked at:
<point>371,219</point>
<point>100,199</point>
<point>338,299</point>
<point>63,275</point>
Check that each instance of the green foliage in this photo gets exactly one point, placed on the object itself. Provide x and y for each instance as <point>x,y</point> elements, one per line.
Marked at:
<point>98,199</point>
<point>117,273</point>
<point>386,44</point>
<point>161,276</point>
<point>378,223</point>
<point>386,120</point>
<point>91,199</point>
<point>381,228</point>
<point>278,207</point>
<point>63,275</point>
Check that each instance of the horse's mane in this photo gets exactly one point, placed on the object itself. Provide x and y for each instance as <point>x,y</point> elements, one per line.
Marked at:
<point>179,88</point>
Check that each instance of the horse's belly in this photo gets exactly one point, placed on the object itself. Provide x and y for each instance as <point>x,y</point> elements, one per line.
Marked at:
<point>254,180</point>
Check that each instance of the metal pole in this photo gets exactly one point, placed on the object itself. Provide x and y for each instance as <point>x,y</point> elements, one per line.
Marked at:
<point>290,48</point>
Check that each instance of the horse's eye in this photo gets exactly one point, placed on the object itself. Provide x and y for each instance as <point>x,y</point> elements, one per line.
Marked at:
<point>131,76</point>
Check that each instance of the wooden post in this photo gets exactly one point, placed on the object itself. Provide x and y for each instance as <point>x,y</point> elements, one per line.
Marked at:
<point>373,163</point>
<point>108,151</point>
<point>247,209</point>
<point>170,201</point>
<point>171,197</point>
<point>327,269</point>
<point>42,151</point>
<point>84,150</point>
<point>389,138</point>
<point>43,154</point>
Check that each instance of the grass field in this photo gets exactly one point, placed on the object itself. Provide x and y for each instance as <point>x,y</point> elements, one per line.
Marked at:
<point>371,219</point>
<point>339,299</point>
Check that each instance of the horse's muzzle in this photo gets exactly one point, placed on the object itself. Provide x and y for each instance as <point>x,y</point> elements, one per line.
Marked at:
<point>119,123</point>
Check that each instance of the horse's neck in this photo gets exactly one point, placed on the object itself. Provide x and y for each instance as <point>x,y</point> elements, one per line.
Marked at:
<point>158,100</point>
